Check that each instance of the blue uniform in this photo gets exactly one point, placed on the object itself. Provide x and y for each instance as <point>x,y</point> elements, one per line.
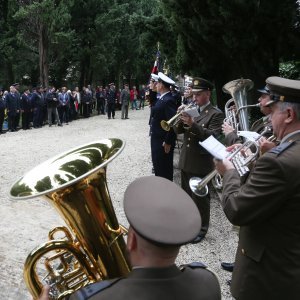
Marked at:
<point>164,109</point>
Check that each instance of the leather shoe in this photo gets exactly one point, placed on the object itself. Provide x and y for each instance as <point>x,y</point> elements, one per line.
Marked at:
<point>227,266</point>
<point>198,239</point>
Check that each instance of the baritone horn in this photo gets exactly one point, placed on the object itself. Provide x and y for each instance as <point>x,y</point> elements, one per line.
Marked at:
<point>94,248</point>
<point>166,125</point>
<point>238,90</point>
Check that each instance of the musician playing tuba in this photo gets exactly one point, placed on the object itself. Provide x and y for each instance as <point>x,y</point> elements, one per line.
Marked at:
<point>231,136</point>
<point>155,235</point>
<point>195,160</point>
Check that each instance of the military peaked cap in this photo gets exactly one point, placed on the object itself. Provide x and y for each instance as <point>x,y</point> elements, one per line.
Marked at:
<point>282,89</point>
<point>200,84</point>
<point>161,212</point>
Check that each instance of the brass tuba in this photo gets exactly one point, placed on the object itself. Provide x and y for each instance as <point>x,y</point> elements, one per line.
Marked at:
<point>238,90</point>
<point>75,183</point>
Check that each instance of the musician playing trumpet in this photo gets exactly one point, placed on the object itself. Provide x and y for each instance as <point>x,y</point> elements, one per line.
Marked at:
<point>195,160</point>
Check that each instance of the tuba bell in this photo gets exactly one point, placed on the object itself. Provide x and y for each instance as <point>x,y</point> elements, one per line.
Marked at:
<point>94,248</point>
<point>238,90</point>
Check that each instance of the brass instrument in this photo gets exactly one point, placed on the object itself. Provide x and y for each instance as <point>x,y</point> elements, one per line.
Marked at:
<point>166,125</point>
<point>240,159</point>
<point>238,90</point>
<point>75,183</point>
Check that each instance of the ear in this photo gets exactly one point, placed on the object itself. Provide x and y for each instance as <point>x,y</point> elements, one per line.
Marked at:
<point>131,240</point>
<point>290,115</point>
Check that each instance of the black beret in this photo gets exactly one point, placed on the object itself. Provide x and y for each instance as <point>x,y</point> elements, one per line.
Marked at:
<point>161,212</point>
<point>200,84</point>
<point>282,89</point>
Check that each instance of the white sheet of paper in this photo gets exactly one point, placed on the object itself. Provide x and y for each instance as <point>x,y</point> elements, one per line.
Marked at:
<point>215,148</point>
<point>250,135</point>
<point>192,112</point>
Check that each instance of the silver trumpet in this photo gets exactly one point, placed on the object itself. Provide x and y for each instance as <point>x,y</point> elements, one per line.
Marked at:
<point>166,125</point>
<point>240,158</point>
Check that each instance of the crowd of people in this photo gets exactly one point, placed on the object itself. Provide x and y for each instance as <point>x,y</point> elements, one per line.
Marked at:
<point>50,106</point>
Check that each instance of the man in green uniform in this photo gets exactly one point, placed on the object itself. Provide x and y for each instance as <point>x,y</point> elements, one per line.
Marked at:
<point>162,217</point>
<point>267,206</point>
<point>194,160</point>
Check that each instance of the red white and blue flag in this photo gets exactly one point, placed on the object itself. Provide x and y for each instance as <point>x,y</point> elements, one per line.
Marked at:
<point>155,68</point>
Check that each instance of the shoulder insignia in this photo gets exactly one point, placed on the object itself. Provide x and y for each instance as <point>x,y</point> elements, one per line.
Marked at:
<point>194,265</point>
<point>281,148</point>
<point>93,289</point>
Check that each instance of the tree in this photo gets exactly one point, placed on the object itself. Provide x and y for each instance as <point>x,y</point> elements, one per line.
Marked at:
<point>226,40</point>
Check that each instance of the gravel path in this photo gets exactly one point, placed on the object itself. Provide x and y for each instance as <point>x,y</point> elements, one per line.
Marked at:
<point>25,224</point>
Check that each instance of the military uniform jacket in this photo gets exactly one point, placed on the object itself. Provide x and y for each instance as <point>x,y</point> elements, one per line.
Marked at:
<point>164,109</point>
<point>162,284</point>
<point>267,207</point>
<point>193,157</point>
<point>12,101</point>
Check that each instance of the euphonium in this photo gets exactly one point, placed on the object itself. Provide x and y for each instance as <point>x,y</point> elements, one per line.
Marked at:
<point>75,183</point>
<point>166,125</point>
<point>240,159</point>
<point>238,90</point>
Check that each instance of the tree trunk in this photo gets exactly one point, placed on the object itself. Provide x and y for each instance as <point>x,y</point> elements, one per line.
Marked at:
<point>43,55</point>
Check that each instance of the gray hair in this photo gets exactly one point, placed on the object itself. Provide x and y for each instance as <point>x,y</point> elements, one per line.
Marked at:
<point>295,107</point>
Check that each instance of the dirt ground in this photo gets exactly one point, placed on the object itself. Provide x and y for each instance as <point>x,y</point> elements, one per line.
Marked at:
<point>25,224</point>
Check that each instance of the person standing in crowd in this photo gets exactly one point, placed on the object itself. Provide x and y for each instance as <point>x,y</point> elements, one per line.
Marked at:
<point>25,105</point>
<point>195,160</point>
<point>37,103</point>
<point>152,93</point>
<point>2,110</point>
<point>154,238</point>
<point>64,105</point>
<point>18,95</point>
<point>86,102</point>
<point>134,95</point>
<point>111,101</point>
<point>177,95</point>
<point>12,102</point>
<point>72,110</point>
<point>100,96</point>
<point>188,95</point>
<point>142,97</point>
<point>52,103</point>
<point>125,99</point>
<point>267,207</point>
<point>163,142</point>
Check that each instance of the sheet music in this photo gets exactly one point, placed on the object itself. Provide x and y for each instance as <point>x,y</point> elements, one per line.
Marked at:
<point>215,148</point>
<point>250,135</point>
<point>192,112</point>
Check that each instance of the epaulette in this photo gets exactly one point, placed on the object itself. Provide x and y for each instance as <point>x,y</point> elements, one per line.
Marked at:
<point>282,147</point>
<point>93,289</point>
<point>194,265</point>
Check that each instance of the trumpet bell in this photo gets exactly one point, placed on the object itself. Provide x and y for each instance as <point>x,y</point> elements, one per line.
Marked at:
<point>194,186</point>
<point>165,125</point>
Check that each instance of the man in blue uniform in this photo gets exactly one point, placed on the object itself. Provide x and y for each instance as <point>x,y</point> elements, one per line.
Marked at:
<point>163,142</point>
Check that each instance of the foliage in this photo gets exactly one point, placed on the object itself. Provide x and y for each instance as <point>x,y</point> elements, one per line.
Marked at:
<point>99,41</point>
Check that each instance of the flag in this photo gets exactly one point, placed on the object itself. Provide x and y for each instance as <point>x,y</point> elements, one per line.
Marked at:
<point>155,68</point>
